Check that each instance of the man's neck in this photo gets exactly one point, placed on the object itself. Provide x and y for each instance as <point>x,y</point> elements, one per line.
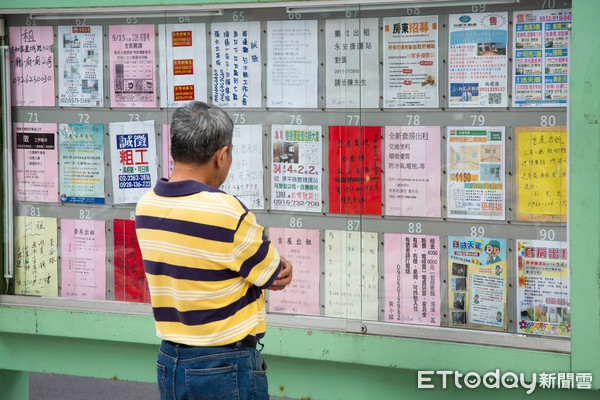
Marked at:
<point>188,171</point>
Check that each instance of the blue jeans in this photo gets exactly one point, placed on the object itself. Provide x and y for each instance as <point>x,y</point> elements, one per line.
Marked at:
<point>210,373</point>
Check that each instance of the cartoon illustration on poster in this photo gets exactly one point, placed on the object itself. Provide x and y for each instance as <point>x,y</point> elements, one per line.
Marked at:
<point>477,282</point>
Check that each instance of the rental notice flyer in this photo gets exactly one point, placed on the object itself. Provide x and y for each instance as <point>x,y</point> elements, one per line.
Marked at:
<point>410,62</point>
<point>476,166</point>
<point>477,70</point>
<point>478,282</point>
<point>130,279</point>
<point>80,66</point>
<point>541,58</point>
<point>296,167</point>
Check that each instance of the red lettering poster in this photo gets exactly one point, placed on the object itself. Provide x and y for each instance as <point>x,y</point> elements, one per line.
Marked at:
<point>130,280</point>
<point>355,170</point>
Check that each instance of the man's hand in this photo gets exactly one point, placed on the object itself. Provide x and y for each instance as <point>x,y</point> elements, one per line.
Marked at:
<point>284,277</point>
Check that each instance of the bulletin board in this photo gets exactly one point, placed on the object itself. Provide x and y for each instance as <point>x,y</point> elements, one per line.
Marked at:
<point>409,162</point>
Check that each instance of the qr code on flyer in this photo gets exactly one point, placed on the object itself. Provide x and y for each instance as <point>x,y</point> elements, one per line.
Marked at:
<point>494,98</point>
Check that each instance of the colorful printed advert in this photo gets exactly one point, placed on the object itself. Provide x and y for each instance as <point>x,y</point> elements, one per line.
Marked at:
<point>133,159</point>
<point>132,66</point>
<point>182,54</point>
<point>477,70</point>
<point>36,162</point>
<point>351,278</point>
<point>543,299</point>
<point>236,61</point>
<point>81,152</point>
<point>296,160</point>
<point>475,187</point>
<point>355,170</point>
<point>477,290</point>
<point>83,259</point>
<point>32,66</point>
<point>410,62</point>
<point>130,279</point>
<point>245,177</point>
<point>412,278</point>
<point>36,259</point>
<point>352,63</point>
<point>301,248</point>
<point>541,57</point>
<point>80,67</point>
<point>412,163</point>
<point>542,173</point>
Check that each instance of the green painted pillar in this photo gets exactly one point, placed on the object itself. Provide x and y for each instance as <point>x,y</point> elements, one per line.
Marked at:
<point>14,384</point>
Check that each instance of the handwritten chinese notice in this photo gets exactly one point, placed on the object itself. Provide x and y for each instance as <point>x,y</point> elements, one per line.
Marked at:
<point>36,162</point>
<point>541,57</point>
<point>477,283</point>
<point>476,172</point>
<point>133,159</point>
<point>80,67</point>
<point>32,65</point>
<point>542,173</point>
<point>132,65</point>
<point>167,160</point>
<point>292,77</point>
<point>543,299</point>
<point>245,178</point>
<point>182,54</point>
<point>36,261</point>
<point>236,63</point>
<point>411,61</point>
<point>301,248</point>
<point>355,170</point>
<point>81,151</point>
<point>477,70</point>
<point>83,259</point>
<point>130,280</point>
<point>351,278</point>
<point>412,163</point>
<point>352,60</point>
<point>296,162</point>
<point>412,278</point>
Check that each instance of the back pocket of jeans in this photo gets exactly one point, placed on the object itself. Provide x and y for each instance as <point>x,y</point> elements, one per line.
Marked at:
<point>212,383</point>
<point>161,376</point>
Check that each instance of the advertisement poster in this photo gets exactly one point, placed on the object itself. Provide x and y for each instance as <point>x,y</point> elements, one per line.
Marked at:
<point>477,75</point>
<point>32,65</point>
<point>296,161</point>
<point>410,62</point>
<point>130,279</point>
<point>355,170</point>
<point>541,58</point>
<point>412,278</point>
<point>80,66</point>
<point>167,160</point>
<point>236,64</point>
<point>245,178</point>
<point>476,172</point>
<point>352,63</point>
<point>182,55</point>
<point>477,290</point>
<point>36,162</point>
<point>412,165</point>
<point>301,248</point>
<point>543,299</point>
<point>132,66</point>
<point>293,54</point>
<point>351,278</point>
<point>36,261</point>
<point>542,173</point>
<point>133,159</point>
<point>83,259</point>
<point>81,166</point>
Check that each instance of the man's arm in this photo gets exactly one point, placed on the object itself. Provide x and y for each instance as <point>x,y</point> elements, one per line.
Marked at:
<point>284,277</point>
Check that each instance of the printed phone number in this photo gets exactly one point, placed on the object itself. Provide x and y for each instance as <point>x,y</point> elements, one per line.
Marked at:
<point>295,203</point>
<point>134,181</point>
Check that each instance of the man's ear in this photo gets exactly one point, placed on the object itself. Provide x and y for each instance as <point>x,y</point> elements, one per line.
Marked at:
<point>221,155</point>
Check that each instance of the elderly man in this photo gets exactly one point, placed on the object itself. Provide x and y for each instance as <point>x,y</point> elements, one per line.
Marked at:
<point>207,262</point>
